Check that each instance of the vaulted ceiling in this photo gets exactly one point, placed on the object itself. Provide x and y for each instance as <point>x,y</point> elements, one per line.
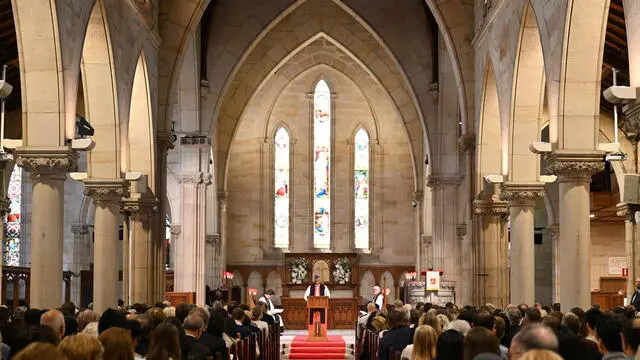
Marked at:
<point>615,50</point>
<point>9,53</point>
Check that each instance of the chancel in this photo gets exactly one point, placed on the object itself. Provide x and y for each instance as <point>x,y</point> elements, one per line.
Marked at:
<point>264,166</point>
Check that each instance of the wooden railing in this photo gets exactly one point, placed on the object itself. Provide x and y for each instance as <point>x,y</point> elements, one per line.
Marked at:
<point>367,347</point>
<point>16,281</point>
<point>267,343</point>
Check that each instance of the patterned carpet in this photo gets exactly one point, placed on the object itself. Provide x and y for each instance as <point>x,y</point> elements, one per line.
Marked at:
<point>339,346</point>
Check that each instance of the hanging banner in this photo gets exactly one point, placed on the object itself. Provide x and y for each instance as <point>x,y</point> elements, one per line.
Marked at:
<point>433,280</point>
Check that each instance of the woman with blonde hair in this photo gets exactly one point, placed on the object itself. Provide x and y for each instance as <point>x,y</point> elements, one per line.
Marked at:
<point>540,355</point>
<point>429,318</point>
<point>117,343</point>
<point>39,350</point>
<point>81,347</point>
<point>424,344</point>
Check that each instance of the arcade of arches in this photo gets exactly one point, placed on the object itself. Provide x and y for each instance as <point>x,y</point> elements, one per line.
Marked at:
<point>468,137</point>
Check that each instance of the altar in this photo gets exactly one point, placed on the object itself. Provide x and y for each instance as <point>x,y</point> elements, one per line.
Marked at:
<point>337,272</point>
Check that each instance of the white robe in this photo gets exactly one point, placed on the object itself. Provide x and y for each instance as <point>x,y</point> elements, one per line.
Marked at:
<point>379,300</point>
<point>311,289</point>
<point>272,310</point>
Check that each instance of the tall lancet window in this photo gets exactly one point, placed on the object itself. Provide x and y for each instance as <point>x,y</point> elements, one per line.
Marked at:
<point>361,190</point>
<point>321,165</point>
<point>12,228</point>
<point>282,178</point>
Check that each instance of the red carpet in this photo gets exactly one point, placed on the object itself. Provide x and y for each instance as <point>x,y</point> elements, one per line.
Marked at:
<point>334,348</point>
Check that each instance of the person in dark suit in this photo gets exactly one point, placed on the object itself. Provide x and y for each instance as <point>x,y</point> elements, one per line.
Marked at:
<point>635,298</point>
<point>397,337</point>
<point>213,343</point>
<point>238,316</point>
<point>193,328</point>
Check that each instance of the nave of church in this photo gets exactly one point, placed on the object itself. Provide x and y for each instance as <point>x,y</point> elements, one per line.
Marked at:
<point>463,152</point>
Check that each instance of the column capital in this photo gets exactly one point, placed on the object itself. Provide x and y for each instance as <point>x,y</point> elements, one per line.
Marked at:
<point>212,239</point>
<point>521,194</point>
<point>461,230</point>
<point>106,191</point>
<point>628,211</point>
<point>165,140</point>
<point>435,181</point>
<point>139,206</point>
<point>190,178</point>
<point>497,209</point>
<point>175,229</point>
<point>573,165</point>
<point>80,229</point>
<point>467,143</point>
<point>554,231</point>
<point>5,206</point>
<point>418,196</point>
<point>47,161</point>
<point>207,179</point>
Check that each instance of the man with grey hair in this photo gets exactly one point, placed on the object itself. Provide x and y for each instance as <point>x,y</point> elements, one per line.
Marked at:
<point>193,329</point>
<point>55,320</point>
<point>461,326</point>
<point>213,344</point>
<point>531,337</point>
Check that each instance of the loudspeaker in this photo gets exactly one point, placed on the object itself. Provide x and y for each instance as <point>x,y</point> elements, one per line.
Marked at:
<point>631,189</point>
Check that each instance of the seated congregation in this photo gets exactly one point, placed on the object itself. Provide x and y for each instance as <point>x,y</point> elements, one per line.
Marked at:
<point>161,332</point>
<point>428,332</point>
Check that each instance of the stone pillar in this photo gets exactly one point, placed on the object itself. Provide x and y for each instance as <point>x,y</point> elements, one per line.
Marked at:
<point>48,168</point>
<point>126,260</point>
<point>175,238</point>
<point>574,171</point>
<point>446,250</point>
<point>554,233</point>
<point>164,143</point>
<point>189,271</point>
<point>491,260</point>
<point>211,244</point>
<point>222,204</point>
<point>467,145</point>
<point>522,200</point>
<point>417,198</point>
<point>106,195</point>
<point>81,259</point>
<point>631,251</point>
<point>141,212</point>
<point>5,208</point>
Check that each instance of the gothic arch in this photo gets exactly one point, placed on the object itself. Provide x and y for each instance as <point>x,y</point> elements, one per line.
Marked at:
<point>489,141</point>
<point>254,281</point>
<point>274,282</point>
<point>367,282</point>
<point>387,281</point>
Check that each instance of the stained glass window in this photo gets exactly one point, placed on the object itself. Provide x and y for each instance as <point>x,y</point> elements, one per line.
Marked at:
<point>281,203</point>
<point>361,189</point>
<point>12,221</point>
<point>321,165</point>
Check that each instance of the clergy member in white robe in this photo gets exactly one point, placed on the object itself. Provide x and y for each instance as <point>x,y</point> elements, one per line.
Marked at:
<point>378,297</point>
<point>317,289</point>
<point>271,309</point>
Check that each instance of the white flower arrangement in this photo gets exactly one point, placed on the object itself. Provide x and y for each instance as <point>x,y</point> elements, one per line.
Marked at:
<point>342,271</point>
<point>298,271</point>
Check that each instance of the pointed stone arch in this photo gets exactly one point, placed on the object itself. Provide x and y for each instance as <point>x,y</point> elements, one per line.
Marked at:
<point>489,141</point>
<point>367,282</point>
<point>387,281</point>
<point>255,281</point>
<point>274,282</point>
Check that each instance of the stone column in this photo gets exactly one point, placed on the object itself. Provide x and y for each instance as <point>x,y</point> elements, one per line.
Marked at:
<point>48,168</point>
<point>175,238</point>
<point>467,144</point>
<point>126,261</point>
<point>106,195</point>
<point>141,211</point>
<point>5,208</point>
<point>554,233</point>
<point>446,250</point>
<point>190,250</point>
<point>574,171</point>
<point>211,243</point>
<point>417,198</point>
<point>222,204</point>
<point>491,258</point>
<point>522,200</point>
<point>164,143</point>
<point>631,251</point>
<point>81,259</point>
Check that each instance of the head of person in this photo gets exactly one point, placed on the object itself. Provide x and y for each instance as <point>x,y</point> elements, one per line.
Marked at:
<point>608,332</point>
<point>396,318</point>
<point>183,310</point>
<point>203,313</point>
<point>539,354</point>
<point>532,316</point>
<point>414,316</point>
<point>316,279</point>
<point>269,294</point>
<point>68,308</point>
<point>499,327</point>
<point>38,350</point>
<point>523,308</point>
<point>461,326</point>
<point>630,338</point>
<point>483,318</point>
<point>638,283</point>
<point>134,329</point>
<point>157,314</point>
<point>117,343</point>
<point>169,311</point>
<point>556,307</point>
<point>551,322</point>
<point>70,325</point>
<point>591,318</point>
<point>480,340</point>
<point>572,322</point>
<point>238,314</point>
<point>165,342</point>
<point>85,317</point>
<point>81,347</point>
<point>425,339</point>
<point>256,313</point>
<point>450,346</point>
<point>194,326</point>
<point>55,320</point>
<point>111,318</point>
<point>534,336</point>
<point>371,307</point>
<point>376,290</point>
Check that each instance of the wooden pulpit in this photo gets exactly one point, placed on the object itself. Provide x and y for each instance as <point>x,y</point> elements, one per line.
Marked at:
<point>318,310</point>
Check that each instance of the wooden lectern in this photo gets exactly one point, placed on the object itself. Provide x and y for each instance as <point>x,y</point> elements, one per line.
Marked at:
<point>318,309</point>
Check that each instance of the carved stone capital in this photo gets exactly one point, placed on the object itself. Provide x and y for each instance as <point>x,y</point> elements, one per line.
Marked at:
<point>165,141</point>
<point>574,166</point>
<point>436,181</point>
<point>79,229</point>
<point>461,230</point>
<point>467,143</point>
<point>628,211</point>
<point>212,239</point>
<point>554,232</point>
<point>189,178</point>
<point>106,191</point>
<point>207,179</point>
<point>418,196</point>
<point>139,207</point>
<point>5,206</point>
<point>498,210</point>
<point>40,161</point>
<point>175,230</point>
<point>517,194</point>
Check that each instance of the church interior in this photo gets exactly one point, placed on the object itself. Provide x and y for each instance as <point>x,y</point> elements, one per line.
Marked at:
<point>163,149</point>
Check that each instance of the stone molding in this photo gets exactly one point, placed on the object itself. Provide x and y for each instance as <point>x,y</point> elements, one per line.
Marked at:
<point>190,178</point>
<point>207,179</point>
<point>490,208</point>
<point>518,194</point>
<point>80,229</point>
<point>5,206</point>
<point>554,232</point>
<point>418,196</point>
<point>467,143</point>
<point>106,191</point>
<point>165,141</point>
<point>437,181</point>
<point>574,166</point>
<point>139,207</point>
<point>175,230</point>
<point>461,230</point>
<point>43,161</point>
<point>628,211</point>
<point>212,239</point>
